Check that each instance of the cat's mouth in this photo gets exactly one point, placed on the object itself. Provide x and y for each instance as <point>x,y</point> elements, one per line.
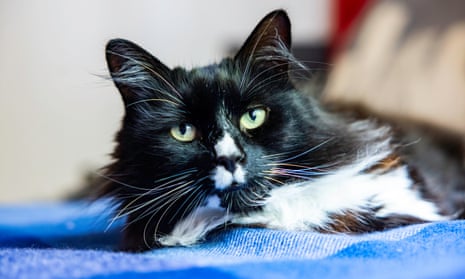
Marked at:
<point>235,186</point>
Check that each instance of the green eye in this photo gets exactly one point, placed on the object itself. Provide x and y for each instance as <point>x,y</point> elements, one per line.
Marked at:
<point>253,118</point>
<point>184,132</point>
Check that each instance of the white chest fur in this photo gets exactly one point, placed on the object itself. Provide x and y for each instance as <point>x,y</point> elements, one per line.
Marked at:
<point>306,205</point>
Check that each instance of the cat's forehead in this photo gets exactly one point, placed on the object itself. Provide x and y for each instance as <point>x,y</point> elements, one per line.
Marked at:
<point>212,87</point>
<point>223,73</point>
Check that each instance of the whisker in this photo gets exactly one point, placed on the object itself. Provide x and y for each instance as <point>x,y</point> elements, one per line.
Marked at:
<point>187,171</point>
<point>121,183</point>
<point>198,200</point>
<point>168,199</point>
<point>127,210</point>
<point>297,176</point>
<point>177,188</point>
<point>307,151</point>
<point>170,202</point>
<point>252,54</point>
<point>310,171</point>
<point>262,83</point>
<point>273,179</point>
<point>269,69</point>
<point>152,100</point>
<point>197,192</point>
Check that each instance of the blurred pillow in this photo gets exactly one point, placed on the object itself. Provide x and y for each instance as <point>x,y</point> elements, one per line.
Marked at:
<point>406,58</point>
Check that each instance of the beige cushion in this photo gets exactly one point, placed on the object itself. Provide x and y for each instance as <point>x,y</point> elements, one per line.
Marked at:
<point>407,58</point>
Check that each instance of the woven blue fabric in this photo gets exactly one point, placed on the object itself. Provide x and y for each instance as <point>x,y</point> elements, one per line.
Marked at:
<point>74,240</point>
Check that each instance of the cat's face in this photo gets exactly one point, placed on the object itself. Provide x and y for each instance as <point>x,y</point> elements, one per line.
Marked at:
<point>228,140</point>
<point>233,130</point>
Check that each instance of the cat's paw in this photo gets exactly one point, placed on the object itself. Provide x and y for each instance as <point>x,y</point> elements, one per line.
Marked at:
<point>178,240</point>
<point>195,227</point>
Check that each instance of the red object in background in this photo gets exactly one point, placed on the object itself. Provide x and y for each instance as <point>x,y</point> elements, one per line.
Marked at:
<point>343,14</point>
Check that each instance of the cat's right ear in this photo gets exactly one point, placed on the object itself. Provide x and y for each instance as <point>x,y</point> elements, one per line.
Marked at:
<point>135,72</point>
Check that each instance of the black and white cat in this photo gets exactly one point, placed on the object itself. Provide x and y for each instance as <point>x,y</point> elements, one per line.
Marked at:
<point>235,143</point>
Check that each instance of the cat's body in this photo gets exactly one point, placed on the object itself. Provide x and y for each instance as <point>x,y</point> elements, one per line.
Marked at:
<point>237,143</point>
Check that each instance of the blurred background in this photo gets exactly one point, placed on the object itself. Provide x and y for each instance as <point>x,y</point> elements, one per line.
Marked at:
<point>58,115</point>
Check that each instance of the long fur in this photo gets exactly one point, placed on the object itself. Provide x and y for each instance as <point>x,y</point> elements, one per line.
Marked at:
<point>303,168</point>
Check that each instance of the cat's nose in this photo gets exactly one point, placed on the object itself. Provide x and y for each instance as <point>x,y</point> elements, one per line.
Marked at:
<point>229,163</point>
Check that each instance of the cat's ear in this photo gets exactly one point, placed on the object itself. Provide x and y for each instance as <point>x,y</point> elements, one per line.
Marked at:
<point>269,43</point>
<point>134,71</point>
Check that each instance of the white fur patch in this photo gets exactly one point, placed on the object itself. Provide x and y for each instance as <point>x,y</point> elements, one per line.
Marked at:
<point>213,202</point>
<point>196,225</point>
<point>227,147</point>
<point>304,205</point>
<point>224,178</point>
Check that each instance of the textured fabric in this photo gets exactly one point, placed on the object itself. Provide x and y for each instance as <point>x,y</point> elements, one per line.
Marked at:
<point>74,240</point>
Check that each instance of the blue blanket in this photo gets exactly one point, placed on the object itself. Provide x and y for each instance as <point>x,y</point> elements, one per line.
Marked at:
<point>73,240</point>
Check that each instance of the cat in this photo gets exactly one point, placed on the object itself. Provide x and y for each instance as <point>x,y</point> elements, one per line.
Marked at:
<point>237,144</point>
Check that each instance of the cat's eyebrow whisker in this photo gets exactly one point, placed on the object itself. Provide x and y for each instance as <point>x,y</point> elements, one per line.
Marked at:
<point>262,83</point>
<point>300,67</point>
<point>289,59</point>
<point>265,71</point>
<point>300,72</point>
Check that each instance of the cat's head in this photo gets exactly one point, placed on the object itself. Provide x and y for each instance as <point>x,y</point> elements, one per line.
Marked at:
<point>235,129</point>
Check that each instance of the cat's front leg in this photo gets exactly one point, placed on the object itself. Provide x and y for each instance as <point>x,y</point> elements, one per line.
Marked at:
<point>139,236</point>
<point>195,226</point>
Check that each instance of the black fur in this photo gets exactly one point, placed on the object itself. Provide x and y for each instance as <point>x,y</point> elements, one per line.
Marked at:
<point>157,180</point>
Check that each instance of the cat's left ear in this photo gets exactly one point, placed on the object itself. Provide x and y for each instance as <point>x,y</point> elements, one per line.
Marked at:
<point>269,43</point>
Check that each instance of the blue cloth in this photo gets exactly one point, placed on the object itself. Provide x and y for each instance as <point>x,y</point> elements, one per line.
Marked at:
<point>74,240</point>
